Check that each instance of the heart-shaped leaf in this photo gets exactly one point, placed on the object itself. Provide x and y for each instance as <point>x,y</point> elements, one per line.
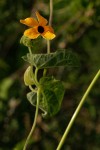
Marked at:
<point>51,96</point>
<point>56,59</point>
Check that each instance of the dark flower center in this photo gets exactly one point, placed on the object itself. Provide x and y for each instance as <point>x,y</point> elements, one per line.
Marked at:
<point>40,29</point>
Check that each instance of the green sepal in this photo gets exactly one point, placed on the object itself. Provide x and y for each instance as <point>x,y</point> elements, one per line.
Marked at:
<point>52,93</point>
<point>30,42</point>
<point>59,58</point>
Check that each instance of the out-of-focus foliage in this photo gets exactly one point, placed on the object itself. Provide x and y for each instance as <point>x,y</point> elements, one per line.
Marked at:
<point>77,26</point>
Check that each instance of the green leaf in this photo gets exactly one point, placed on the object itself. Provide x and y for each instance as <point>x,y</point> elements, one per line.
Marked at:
<point>56,59</point>
<point>52,92</point>
<point>32,98</point>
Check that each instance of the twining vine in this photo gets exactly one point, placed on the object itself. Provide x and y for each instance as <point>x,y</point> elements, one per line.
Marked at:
<point>48,92</point>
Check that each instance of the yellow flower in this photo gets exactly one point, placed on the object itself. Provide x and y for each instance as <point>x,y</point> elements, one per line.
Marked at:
<point>38,27</point>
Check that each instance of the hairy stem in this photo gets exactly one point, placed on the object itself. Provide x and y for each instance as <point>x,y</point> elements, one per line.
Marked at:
<point>34,123</point>
<point>77,110</point>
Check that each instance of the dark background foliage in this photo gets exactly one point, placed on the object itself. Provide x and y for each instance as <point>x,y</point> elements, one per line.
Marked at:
<point>77,26</point>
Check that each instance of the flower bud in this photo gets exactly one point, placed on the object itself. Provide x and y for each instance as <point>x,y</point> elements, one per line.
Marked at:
<point>28,78</point>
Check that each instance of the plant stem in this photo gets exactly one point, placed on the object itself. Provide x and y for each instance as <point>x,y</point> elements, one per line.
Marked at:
<point>34,123</point>
<point>44,72</point>
<point>36,80</point>
<point>33,90</point>
<point>30,50</point>
<point>51,12</point>
<point>50,22</point>
<point>77,111</point>
<point>48,46</point>
<point>34,77</point>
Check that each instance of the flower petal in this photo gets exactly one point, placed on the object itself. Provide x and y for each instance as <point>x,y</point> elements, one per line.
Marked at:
<point>48,28</point>
<point>31,33</point>
<point>29,22</point>
<point>42,20</point>
<point>49,35</point>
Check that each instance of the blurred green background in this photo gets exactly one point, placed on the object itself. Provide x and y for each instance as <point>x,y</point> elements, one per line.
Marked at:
<point>77,26</point>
